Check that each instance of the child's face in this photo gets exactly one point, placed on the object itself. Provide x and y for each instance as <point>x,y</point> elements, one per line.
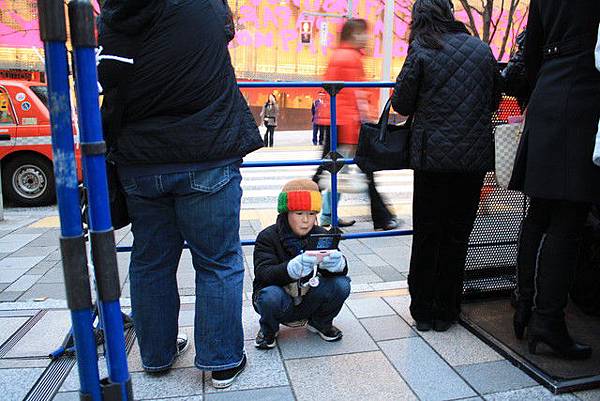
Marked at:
<point>302,222</point>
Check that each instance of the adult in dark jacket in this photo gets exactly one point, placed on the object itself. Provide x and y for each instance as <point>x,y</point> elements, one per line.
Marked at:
<point>178,127</point>
<point>555,164</point>
<point>448,85</point>
<point>514,76</point>
<point>282,292</point>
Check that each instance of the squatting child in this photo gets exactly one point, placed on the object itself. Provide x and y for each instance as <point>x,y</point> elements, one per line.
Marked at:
<point>282,292</point>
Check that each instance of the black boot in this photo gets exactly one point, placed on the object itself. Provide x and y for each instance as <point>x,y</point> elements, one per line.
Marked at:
<point>529,243</point>
<point>555,335</point>
<point>556,262</point>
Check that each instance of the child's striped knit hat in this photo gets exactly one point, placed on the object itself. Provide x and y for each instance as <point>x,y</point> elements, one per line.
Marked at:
<point>299,195</point>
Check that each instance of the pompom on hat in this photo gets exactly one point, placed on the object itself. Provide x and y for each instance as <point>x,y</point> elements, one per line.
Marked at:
<point>299,195</point>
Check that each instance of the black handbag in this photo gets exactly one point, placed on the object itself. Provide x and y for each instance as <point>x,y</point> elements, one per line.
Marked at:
<point>111,123</point>
<point>117,199</point>
<point>383,146</point>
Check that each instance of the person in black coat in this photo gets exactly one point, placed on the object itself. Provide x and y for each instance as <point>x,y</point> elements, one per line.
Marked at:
<point>554,165</point>
<point>292,286</point>
<point>448,84</point>
<point>177,127</point>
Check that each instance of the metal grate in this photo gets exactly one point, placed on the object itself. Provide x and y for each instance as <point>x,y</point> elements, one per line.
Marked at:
<point>19,334</point>
<point>490,267</point>
<point>55,374</point>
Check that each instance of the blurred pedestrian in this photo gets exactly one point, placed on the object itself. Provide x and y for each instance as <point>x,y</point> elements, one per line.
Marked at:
<point>318,130</point>
<point>449,85</point>
<point>556,167</point>
<point>269,115</point>
<point>183,129</point>
<point>345,64</point>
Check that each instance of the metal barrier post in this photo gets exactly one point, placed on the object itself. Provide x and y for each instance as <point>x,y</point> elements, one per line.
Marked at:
<point>93,148</point>
<point>54,35</point>
<point>333,89</point>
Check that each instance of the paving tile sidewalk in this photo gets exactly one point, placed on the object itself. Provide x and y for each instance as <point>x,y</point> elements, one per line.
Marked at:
<point>381,357</point>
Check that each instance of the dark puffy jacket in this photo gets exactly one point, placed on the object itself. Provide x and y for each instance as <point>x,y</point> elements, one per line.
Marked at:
<point>452,93</point>
<point>271,256</point>
<point>514,75</point>
<point>183,103</point>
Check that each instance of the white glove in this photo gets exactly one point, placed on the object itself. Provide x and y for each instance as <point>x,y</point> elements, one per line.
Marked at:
<point>334,262</point>
<point>301,266</point>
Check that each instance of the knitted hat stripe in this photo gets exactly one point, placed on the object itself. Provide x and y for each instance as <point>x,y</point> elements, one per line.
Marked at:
<point>315,201</point>
<point>282,206</point>
<point>299,200</point>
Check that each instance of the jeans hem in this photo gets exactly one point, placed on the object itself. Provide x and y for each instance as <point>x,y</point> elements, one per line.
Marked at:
<point>155,369</point>
<point>220,367</point>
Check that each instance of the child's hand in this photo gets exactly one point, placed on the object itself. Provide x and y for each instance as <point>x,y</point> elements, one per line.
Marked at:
<point>334,262</point>
<point>301,266</point>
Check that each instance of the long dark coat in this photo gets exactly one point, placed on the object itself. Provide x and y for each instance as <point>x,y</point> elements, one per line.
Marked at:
<point>564,108</point>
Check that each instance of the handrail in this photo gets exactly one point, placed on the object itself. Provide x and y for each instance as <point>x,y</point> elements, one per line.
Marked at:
<point>332,87</point>
<point>316,84</point>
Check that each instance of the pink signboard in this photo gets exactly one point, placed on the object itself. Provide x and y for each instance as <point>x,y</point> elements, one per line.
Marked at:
<point>19,23</point>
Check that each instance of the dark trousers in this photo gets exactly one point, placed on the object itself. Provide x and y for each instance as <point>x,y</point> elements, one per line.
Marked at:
<point>548,250</point>
<point>444,210</point>
<point>319,130</point>
<point>319,306</point>
<point>268,139</point>
<point>380,213</point>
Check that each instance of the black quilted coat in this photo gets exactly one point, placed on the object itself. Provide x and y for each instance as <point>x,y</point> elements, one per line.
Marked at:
<point>452,93</point>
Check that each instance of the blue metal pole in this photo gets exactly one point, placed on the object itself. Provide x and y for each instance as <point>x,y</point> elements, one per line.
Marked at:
<point>75,269</point>
<point>333,148</point>
<point>101,233</point>
<point>293,163</point>
<point>316,84</point>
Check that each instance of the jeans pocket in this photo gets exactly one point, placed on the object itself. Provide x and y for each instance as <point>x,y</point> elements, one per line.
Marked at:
<point>210,181</point>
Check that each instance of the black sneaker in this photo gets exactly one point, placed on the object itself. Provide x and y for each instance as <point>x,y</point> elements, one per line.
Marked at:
<point>330,334</point>
<point>424,325</point>
<point>225,378</point>
<point>265,342</point>
<point>182,346</point>
<point>182,343</point>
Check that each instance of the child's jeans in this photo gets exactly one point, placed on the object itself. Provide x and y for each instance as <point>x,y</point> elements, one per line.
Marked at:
<point>319,306</point>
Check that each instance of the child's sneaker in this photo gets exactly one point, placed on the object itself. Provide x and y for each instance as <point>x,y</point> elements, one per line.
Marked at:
<point>330,334</point>
<point>265,342</point>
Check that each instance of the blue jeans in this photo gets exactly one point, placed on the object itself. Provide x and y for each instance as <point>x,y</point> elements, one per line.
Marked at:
<point>326,210</point>
<point>320,305</point>
<point>202,208</point>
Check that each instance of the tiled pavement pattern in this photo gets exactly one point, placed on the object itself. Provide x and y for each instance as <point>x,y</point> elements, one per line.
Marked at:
<point>381,357</point>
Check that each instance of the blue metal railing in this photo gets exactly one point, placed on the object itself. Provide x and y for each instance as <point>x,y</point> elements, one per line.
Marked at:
<point>332,87</point>
<point>117,386</point>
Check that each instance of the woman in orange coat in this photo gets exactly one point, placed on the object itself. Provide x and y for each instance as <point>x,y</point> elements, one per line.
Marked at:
<point>346,64</point>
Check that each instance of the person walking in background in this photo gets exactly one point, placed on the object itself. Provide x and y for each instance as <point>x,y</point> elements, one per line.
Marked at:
<point>555,166</point>
<point>318,130</point>
<point>178,154</point>
<point>346,64</point>
<point>269,115</point>
<point>449,85</point>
